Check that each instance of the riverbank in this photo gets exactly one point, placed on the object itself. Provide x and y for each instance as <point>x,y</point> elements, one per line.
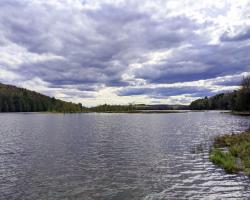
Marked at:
<point>232,152</point>
<point>246,113</point>
<point>120,111</point>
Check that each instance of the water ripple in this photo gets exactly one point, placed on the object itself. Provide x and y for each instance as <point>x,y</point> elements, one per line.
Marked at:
<point>116,156</point>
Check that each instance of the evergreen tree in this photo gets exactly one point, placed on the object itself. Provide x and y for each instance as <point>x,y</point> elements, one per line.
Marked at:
<point>14,99</point>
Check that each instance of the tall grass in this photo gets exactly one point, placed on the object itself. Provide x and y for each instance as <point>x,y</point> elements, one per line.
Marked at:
<point>225,160</point>
<point>237,156</point>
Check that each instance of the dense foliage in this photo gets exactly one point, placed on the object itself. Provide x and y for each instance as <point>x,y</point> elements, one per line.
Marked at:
<point>112,108</point>
<point>237,100</point>
<point>243,96</point>
<point>161,107</point>
<point>14,99</point>
<point>224,101</point>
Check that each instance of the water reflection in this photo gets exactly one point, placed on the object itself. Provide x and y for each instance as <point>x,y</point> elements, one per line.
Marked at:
<point>115,156</point>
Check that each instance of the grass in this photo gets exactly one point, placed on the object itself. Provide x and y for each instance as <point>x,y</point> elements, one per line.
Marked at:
<point>232,152</point>
<point>225,160</point>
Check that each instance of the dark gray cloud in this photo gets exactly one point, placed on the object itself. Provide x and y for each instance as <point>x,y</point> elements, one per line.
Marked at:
<point>198,63</point>
<point>163,92</point>
<point>69,44</point>
<point>120,36</point>
<point>242,35</point>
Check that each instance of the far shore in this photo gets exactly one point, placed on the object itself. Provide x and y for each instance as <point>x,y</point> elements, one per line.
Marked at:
<point>247,113</point>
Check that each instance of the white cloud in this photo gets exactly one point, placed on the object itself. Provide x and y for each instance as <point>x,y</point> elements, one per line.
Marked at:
<point>13,55</point>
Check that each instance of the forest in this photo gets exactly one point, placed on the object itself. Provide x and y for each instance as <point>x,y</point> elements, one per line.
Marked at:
<point>113,108</point>
<point>14,99</point>
<point>238,100</point>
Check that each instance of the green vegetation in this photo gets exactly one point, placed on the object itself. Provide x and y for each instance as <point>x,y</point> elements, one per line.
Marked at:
<point>138,108</point>
<point>232,152</point>
<point>237,101</point>
<point>219,101</point>
<point>14,99</point>
<point>113,108</point>
<point>225,160</point>
<point>161,107</point>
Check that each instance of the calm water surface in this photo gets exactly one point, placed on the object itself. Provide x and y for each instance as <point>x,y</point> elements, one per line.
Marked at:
<point>116,156</point>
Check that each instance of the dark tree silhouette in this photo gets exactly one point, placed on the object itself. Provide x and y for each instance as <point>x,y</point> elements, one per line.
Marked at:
<point>14,99</point>
<point>238,100</point>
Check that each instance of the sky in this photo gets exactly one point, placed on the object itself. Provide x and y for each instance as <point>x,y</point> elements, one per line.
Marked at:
<point>122,52</point>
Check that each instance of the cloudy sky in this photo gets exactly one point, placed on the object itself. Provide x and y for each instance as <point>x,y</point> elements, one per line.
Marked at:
<point>119,52</point>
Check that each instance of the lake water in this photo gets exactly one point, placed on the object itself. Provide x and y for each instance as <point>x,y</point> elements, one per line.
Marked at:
<point>116,156</point>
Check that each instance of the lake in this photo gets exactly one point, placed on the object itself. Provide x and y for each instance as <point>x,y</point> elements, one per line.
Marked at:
<point>116,156</point>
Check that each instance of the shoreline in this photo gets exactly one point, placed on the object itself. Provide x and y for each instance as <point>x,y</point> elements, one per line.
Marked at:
<point>232,152</point>
<point>129,112</point>
<point>245,113</point>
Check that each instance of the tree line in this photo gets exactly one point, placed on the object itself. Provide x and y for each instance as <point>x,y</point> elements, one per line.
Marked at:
<point>14,99</point>
<point>238,100</point>
<point>113,108</point>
